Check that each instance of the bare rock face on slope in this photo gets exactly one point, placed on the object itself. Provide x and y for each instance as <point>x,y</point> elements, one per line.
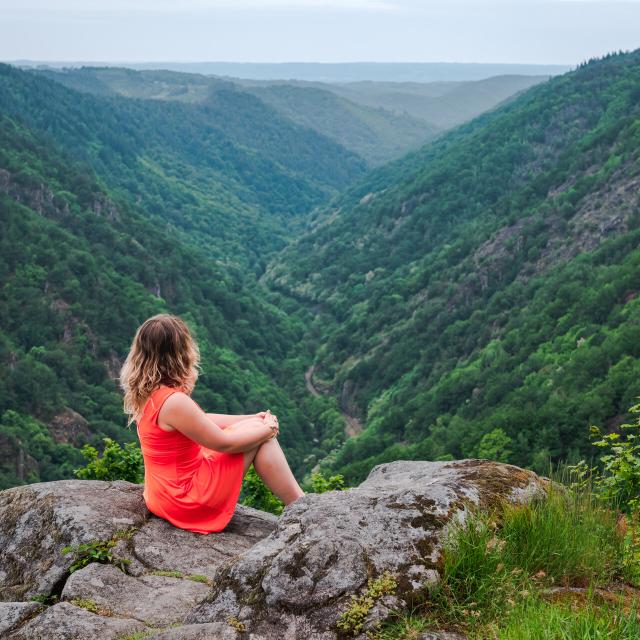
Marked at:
<point>263,577</point>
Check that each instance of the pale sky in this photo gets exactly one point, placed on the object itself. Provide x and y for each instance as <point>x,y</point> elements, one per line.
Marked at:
<point>527,31</point>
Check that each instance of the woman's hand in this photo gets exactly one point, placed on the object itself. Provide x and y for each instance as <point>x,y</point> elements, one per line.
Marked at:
<point>272,421</point>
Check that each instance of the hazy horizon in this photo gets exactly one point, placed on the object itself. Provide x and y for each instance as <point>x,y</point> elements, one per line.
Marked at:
<point>335,73</point>
<point>562,32</point>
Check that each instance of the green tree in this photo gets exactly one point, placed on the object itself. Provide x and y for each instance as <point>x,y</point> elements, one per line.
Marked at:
<point>495,445</point>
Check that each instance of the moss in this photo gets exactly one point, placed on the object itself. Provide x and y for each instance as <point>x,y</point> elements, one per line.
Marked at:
<point>352,619</point>
<point>91,605</point>
<point>138,635</point>
<point>145,633</point>
<point>45,598</point>
<point>495,481</point>
<point>236,624</point>
<point>170,573</point>
<point>197,577</point>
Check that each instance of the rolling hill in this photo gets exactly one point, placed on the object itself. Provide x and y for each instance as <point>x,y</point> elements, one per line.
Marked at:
<point>379,121</point>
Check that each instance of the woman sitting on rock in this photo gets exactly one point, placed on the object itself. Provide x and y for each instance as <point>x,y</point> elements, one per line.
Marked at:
<point>194,462</point>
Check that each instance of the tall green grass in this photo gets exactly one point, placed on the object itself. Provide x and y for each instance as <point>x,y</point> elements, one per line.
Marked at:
<point>497,565</point>
<point>536,619</point>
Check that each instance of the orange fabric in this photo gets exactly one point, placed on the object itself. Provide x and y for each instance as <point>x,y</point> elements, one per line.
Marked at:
<point>192,487</point>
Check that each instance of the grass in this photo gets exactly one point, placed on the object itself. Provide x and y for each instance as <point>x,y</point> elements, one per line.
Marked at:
<point>536,619</point>
<point>170,573</point>
<point>499,571</point>
<point>91,605</point>
<point>196,577</point>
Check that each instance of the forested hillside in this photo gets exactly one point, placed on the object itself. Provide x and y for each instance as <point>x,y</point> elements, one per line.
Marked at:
<point>104,224</point>
<point>379,121</point>
<point>376,135</point>
<point>230,174</point>
<point>479,297</point>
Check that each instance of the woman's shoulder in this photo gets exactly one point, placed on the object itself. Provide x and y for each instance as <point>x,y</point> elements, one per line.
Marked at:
<point>176,397</point>
<point>159,394</point>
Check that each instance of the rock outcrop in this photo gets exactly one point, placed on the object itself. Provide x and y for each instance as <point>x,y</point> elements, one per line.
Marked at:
<point>262,577</point>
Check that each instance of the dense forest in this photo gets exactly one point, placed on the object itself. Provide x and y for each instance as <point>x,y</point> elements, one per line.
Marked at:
<point>231,174</point>
<point>476,297</point>
<point>95,241</point>
<point>480,297</point>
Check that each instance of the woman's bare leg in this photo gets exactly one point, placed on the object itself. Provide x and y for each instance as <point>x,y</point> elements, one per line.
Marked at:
<point>271,465</point>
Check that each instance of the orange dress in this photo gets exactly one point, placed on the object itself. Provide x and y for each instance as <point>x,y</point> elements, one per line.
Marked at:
<point>192,487</point>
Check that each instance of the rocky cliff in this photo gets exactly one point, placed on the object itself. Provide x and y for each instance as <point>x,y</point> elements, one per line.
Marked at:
<point>86,559</point>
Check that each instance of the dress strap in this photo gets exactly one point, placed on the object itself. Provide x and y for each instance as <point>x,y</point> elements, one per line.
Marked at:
<point>157,398</point>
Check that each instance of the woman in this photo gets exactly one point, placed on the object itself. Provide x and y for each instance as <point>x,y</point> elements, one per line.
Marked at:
<point>194,462</point>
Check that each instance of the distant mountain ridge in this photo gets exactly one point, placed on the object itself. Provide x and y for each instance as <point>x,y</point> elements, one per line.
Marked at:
<point>379,121</point>
<point>330,72</point>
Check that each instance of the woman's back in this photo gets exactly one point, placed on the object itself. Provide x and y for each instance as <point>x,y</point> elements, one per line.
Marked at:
<point>192,487</point>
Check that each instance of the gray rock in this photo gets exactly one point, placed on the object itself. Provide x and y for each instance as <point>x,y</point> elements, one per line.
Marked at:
<point>289,577</point>
<point>14,613</point>
<point>65,621</point>
<point>38,520</point>
<point>441,635</point>
<point>297,581</point>
<point>159,545</point>
<point>154,600</point>
<point>209,631</point>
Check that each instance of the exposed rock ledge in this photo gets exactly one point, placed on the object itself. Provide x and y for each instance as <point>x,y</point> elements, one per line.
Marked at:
<point>263,577</point>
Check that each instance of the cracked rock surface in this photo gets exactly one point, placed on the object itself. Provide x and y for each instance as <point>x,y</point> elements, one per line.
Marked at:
<point>262,577</point>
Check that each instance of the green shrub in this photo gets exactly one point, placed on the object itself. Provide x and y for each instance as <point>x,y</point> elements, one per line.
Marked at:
<point>618,482</point>
<point>116,462</point>
<point>322,484</point>
<point>99,551</point>
<point>256,494</point>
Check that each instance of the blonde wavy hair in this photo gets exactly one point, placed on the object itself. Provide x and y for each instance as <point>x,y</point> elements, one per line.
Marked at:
<point>163,351</point>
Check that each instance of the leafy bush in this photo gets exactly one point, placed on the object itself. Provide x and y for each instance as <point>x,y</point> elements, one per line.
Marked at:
<point>98,551</point>
<point>618,482</point>
<point>116,462</point>
<point>256,494</point>
<point>322,484</point>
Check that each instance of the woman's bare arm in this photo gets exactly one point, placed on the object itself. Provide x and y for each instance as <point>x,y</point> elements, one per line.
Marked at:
<point>182,413</point>
<point>225,420</point>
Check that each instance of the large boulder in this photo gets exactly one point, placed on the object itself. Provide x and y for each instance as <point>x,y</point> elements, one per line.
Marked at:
<point>38,520</point>
<point>262,577</point>
<point>159,573</point>
<point>297,581</point>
